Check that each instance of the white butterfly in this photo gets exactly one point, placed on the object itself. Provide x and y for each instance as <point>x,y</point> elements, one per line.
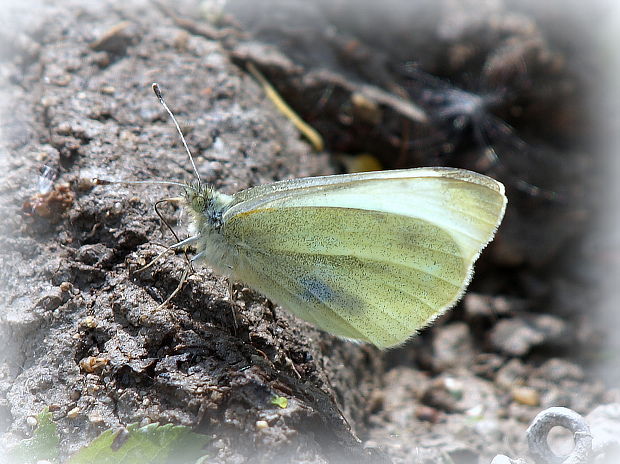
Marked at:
<point>372,256</point>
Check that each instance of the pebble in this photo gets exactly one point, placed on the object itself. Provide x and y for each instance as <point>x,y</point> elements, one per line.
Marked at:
<point>502,459</point>
<point>486,365</point>
<point>517,336</point>
<point>604,424</point>
<point>427,414</point>
<point>51,300</point>
<point>95,418</point>
<point>261,424</point>
<point>437,396</point>
<point>65,287</point>
<point>116,39</point>
<point>512,373</point>
<point>514,337</point>
<point>478,305</point>
<point>73,413</point>
<point>557,370</point>
<point>88,322</point>
<point>108,90</point>
<point>93,364</point>
<point>95,254</point>
<point>526,395</point>
<point>452,346</point>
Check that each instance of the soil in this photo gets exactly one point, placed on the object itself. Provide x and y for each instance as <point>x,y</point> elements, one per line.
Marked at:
<point>505,89</point>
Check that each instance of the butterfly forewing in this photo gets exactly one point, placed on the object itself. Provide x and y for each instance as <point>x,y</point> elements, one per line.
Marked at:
<point>369,256</point>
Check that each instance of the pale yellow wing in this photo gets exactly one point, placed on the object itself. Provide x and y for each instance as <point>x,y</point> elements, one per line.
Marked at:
<point>466,204</point>
<point>373,258</point>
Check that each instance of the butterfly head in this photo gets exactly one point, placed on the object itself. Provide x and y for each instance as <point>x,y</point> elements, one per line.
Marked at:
<point>205,204</point>
<point>197,197</point>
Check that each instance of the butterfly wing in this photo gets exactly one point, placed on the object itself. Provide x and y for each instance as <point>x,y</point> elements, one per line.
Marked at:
<point>371,256</point>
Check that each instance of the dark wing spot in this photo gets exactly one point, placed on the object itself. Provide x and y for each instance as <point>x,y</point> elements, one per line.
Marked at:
<point>314,288</point>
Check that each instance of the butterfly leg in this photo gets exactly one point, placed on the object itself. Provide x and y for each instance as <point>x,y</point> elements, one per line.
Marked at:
<point>153,261</point>
<point>231,296</point>
<point>177,290</point>
<point>186,242</point>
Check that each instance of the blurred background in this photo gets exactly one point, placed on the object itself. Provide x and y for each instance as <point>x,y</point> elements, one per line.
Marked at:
<point>523,91</point>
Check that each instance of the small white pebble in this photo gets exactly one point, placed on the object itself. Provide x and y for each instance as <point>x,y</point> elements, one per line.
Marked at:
<point>475,411</point>
<point>95,418</point>
<point>501,459</point>
<point>88,322</point>
<point>261,424</point>
<point>453,385</point>
<point>66,287</point>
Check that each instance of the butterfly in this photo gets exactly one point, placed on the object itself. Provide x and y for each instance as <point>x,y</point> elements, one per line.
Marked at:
<point>371,257</point>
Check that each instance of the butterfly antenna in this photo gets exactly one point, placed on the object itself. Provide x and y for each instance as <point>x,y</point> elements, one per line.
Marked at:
<point>160,97</point>
<point>98,181</point>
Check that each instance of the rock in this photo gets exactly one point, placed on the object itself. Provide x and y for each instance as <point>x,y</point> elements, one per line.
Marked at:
<point>462,392</point>
<point>557,370</point>
<point>452,346</point>
<point>511,374</point>
<point>97,253</point>
<point>116,39</point>
<point>605,428</point>
<point>486,365</point>
<point>51,299</point>
<point>478,305</point>
<point>516,337</point>
<point>526,395</point>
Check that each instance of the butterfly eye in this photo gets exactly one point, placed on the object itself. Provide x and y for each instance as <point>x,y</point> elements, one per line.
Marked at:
<point>198,203</point>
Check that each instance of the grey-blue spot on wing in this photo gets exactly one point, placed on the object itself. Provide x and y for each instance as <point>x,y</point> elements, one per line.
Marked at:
<point>316,288</point>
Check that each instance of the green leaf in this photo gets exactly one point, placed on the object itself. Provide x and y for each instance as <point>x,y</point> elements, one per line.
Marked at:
<point>280,401</point>
<point>151,444</point>
<point>43,445</point>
